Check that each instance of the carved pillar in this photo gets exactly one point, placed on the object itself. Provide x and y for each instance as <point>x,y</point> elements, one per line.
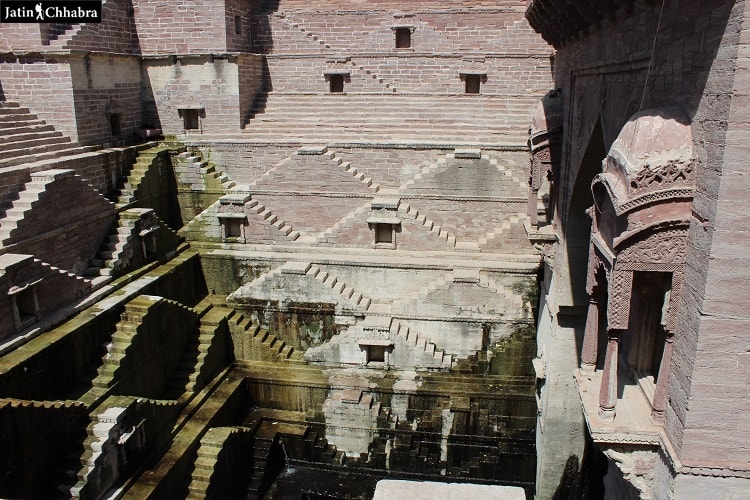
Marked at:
<point>531,208</point>
<point>591,336</point>
<point>608,389</point>
<point>660,394</point>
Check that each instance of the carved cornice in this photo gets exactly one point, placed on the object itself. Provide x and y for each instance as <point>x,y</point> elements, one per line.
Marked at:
<point>559,21</point>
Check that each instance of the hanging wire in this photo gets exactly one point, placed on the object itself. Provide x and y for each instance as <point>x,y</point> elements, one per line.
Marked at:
<point>643,92</point>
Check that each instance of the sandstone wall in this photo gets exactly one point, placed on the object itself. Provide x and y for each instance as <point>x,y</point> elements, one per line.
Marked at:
<point>45,86</point>
<point>115,34</point>
<point>222,88</point>
<point>173,27</point>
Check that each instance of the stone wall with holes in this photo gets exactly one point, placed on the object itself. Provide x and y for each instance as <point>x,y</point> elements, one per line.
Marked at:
<point>415,73</point>
<point>220,89</point>
<point>77,93</point>
<point>444,41</point>
<point>106,89</point>
<point>693,63</point>
<point>434,29</point>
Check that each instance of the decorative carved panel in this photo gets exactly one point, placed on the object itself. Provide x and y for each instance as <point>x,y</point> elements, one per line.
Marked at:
<point>618,305</point>
<point>666,247</point>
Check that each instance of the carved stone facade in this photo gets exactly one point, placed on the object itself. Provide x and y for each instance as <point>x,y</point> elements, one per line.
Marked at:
<point>544,144</point>
<point>653,175</point>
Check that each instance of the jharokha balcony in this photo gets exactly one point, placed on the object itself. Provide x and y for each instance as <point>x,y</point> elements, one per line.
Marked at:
<point>634,280</point>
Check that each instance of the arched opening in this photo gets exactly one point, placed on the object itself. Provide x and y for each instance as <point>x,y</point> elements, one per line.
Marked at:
<point>578,224</point>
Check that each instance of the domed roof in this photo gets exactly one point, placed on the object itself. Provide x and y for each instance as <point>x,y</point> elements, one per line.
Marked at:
<point>652,139</point>
<point>651,160</point>
<point>547,113</point>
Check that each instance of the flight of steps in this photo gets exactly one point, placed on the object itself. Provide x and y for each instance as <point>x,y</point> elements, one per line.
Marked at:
<point>406,303</point>
<point>312,37</point>
<point>330,234</point>
<point>348,168</point>
<point>24,138</point>
<point>143,163</point>
<point>15,215</point>
<point>267,215</point>
<point>499,231</point>
<point>85,283</point>
<point>60,33</point>
<point>127,328</point>
<point>424,170</point>
<point>349,293</point>
<point>258,344</point>
<point>199,174</point>
<point>118,243</point>
<point>213,452</point>
<point>388,86</point>
<point>434,357</point>
<point>438,231</point>
<point>342,117</point>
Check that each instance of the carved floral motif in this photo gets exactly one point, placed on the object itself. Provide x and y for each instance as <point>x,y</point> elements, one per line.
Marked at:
<point>662,247</point>
<point>661,177</point>
<point>618,306</point>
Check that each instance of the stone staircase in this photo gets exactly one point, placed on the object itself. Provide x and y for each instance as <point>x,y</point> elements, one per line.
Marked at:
<point>436,358</point>
<point>127,328</point>
<point>387,117</point>
<point>16,215</point>
<point>404,304</point>
<point>114,251</point>
<point>353,296</point>
<point>514,220</point>
<point>212,454</point>
<point>295,25</point>
<point>348,168</point>
<point>427,169</point>
<point>204,355</point>
<point>332,174</point>
<point>60,33</point>
<point>258,344</point>
<point>388,86</point>
<point>118,247</point>
<point>330,234</point>
<point>199,174</point>
<point>24,138</point>
<point>143,163</point>
<point>80,279</point>
<point>269,217</point>
<point>523,185</point>
<point>441,233</point>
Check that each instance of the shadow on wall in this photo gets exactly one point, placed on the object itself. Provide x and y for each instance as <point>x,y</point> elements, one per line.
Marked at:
<point>261,34</point>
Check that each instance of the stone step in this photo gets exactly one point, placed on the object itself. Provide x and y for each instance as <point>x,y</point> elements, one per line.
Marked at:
<point>10,129</point>
<point>32,141</point>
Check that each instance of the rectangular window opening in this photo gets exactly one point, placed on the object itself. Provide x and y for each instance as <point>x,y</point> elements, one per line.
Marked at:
<point>383,233</point>
<point>114,125</point>
<point>336,84</point>
<point>376,354</point>
<point>233,228</point>
<point>27,306</point>
<point>403,38</point>
<point>190,119</point>
<point>237,25</point>
<point>472,84</point>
